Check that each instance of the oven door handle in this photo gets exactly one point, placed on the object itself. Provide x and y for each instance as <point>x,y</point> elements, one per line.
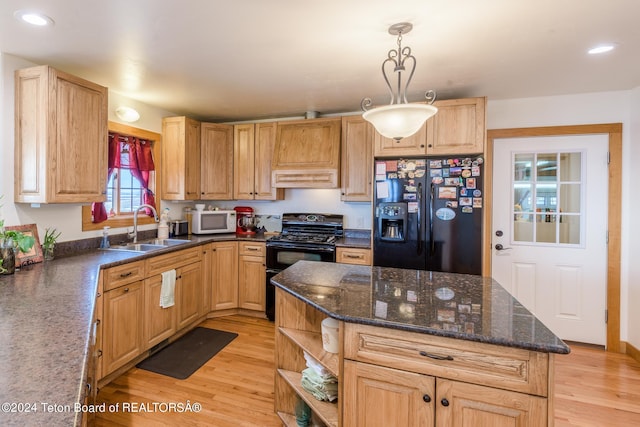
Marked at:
<point>301,246</point>
<point>273,271</point>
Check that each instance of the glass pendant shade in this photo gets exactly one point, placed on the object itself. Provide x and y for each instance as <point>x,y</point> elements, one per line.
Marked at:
<point>399,121</point>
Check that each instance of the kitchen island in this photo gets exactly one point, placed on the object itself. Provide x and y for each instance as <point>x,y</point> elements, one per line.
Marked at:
<point>416,348</point>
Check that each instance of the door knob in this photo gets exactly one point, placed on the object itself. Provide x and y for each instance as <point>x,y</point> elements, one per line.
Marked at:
<point>499,247</point>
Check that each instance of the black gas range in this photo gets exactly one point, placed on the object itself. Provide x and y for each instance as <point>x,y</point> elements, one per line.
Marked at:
<point>305,236</point>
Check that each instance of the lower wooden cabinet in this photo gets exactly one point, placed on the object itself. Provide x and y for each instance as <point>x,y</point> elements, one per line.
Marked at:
<point>123,329</point>
<point>224,275</point>
<point>252,276</point>
<point>188,294</point>
<point>359,256</point>
<point>463,404</point>
<point>376,396</point>
<point>160,323</point>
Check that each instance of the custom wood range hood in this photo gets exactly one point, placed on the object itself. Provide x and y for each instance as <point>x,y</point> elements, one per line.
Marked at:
<point>307,154</point>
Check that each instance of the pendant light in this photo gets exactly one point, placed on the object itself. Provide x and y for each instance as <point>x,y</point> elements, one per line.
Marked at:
<point>399,119</point>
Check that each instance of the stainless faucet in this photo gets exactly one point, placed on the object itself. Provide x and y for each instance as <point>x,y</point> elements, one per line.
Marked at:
<point>134,233</point>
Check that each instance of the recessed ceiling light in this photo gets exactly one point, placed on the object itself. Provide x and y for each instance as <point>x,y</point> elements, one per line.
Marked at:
<point>33,18</point>
<point>603,48</point>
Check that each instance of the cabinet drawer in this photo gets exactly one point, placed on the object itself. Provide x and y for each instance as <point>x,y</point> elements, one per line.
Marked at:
<point>486,364</point>
<point>158,264</point>
<point>123,274</point>
<point>353,256</point>
<point>251,248</point>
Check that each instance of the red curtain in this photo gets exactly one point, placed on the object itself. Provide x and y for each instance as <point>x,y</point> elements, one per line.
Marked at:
<point>140,165</point>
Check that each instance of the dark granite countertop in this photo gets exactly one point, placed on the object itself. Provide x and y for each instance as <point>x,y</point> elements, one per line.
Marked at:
<point>45,324</point>
<point>459,306</point>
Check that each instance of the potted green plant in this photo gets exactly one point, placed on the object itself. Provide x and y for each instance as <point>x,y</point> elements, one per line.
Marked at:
<point>12,241</point>
<point>50,237</point>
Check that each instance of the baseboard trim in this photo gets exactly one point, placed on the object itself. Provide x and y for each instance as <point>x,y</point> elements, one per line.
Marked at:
<point>632,351</point>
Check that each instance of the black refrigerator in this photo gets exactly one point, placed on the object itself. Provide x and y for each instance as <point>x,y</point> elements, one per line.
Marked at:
<point>428,213</point>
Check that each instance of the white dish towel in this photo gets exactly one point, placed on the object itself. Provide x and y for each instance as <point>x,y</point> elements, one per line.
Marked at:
<point>167,292</point>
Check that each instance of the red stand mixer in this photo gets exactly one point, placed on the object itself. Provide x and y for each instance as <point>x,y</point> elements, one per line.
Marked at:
<point>246,221</point>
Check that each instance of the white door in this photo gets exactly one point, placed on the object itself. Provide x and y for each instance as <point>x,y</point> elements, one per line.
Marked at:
<point>550,229</point>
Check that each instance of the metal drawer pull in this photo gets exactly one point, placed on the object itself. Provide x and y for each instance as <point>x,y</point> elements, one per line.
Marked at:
<point>252,249</point>
<point>126,274</point>
<point>435,356</point>
<point>353,256</point>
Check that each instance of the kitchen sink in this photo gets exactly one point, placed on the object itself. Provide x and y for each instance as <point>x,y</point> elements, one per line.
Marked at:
<point>149,245</point>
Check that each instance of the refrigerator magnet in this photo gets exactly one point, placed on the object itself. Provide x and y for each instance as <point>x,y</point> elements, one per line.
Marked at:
<point>447,192</point>
<point>477,193</point>
<point>435,172</point>
<point>435,164</point>
<point>410,188</point>
<point>409,196</point>
<point>437,180</point>
<point>412,207</point>
<point>445,214</point>
<point>451,204</point>
<point>391,165</point>
<point>466,173</point>
<point>466,201</point>
<point>475,170</point>
<point>421,163</point>
<point>477,202</point>
<point>451,181</point>
<point>463,191</point>
<point>419,173</point>
<point>455,171</point>
<point>467,209</point>
<point>471,183</point>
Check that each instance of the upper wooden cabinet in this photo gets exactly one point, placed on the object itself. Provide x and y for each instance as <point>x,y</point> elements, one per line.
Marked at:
<point>307,154</point>
<point>253,151</point>
<point>181,158</point>
<point>459,127</point>
<point>414,145</point>
<point>60,138</point>
<point>357,159</point>
<point>216,182</point>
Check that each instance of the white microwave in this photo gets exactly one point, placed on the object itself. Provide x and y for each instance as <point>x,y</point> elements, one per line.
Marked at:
<point>211,222</point>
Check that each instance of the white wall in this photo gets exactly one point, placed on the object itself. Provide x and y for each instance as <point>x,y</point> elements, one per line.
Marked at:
<point>593,108</point>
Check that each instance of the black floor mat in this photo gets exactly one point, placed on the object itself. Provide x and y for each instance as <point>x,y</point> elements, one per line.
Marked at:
<point>184,356</point>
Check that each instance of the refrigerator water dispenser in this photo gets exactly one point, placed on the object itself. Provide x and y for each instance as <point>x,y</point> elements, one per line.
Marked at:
<point>392,221</point>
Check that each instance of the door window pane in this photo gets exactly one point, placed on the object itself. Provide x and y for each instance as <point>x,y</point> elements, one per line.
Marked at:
<point>571,167</point>
<point>547,198</point>
<point>547,167</point>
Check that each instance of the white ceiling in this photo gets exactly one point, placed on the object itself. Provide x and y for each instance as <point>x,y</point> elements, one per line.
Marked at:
<point>251,59</point>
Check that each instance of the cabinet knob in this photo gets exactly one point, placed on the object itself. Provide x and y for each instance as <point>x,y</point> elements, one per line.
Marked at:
<point>126,289</point>
<point>426,398</point>
<point>422,145</point>
<point>99,353</point>
<point>444,402</point>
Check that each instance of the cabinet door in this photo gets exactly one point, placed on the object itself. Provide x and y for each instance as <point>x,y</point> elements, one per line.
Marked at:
<point>216,162</point>
<point>357,159</point>
<point>459,127</point>
<point>252,279</point>
<point>160,323</point>
<point>61,137</point>
<point>188,294</point>
<point>265,141</point>
<point>244,162</point>
<point>414,145</point>
<point>375,396</point>
<point>224,290</point>
<point>123,333</point>
<point>461,404</point>
<point>180,158</point>
<point>192,160</point>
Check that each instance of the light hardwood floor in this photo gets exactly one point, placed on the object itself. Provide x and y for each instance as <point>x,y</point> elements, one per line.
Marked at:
<point>235,388</point>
